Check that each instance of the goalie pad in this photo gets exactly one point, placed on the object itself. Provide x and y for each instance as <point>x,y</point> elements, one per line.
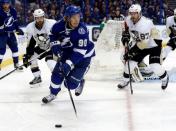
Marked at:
<point>142,72</point>
<point>136,75</point>
<point>145,70</point>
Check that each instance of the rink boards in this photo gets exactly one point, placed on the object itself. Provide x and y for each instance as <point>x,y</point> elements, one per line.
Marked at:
<point>93,35</point>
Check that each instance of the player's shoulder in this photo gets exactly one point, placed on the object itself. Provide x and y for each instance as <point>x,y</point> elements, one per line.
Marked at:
<point>50,20</point>
<point>12,10</point>
<point>146,20</point>
<point>60,23</point>
<point>49,23</point>
<point>127,20</point>
<point>30,26</point>
<point>58,26</point>
<point>82,24</point>
<point>170,18</point>
<point>82,29</point>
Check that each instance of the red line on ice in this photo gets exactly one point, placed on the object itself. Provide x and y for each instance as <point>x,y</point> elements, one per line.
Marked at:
<point>129,111</point>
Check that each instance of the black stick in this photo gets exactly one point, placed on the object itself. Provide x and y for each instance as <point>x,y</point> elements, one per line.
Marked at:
<point>130,77</point>
<point>23,65</point>
<point>9,73</point>
<point>71,98</point>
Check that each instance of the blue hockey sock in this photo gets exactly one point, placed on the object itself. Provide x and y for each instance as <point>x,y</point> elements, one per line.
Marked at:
<point>15,60</point>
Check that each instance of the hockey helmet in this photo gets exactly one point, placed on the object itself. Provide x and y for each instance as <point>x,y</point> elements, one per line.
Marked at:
<point>72,10</point>
<point>135,8</point>
<point>38,13</point>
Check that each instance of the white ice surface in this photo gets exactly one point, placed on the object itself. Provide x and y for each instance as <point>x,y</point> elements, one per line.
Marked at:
<point>101,107</point>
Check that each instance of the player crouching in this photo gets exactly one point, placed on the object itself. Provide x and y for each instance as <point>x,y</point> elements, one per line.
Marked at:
<point>144,42</point>
<point>70,41</point>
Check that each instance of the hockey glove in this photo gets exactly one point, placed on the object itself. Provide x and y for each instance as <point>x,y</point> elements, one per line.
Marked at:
<point>26,62</point>
<point>131,53</point>
<point>55,48</point>
<point>66,67</point>
<point>125,37</point>
<point>19,31</point>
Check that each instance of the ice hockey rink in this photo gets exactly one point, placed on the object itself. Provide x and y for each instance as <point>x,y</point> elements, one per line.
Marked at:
<point>101,107</point>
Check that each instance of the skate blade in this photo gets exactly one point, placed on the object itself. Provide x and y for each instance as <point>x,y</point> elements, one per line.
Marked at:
<point>19,70</point>
<point>77,94</point>
<point>35,85</point>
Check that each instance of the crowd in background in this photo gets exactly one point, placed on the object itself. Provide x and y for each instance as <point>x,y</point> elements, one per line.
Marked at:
<point>94,11</point>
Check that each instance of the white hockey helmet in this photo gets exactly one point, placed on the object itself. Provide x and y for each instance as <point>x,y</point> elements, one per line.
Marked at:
<point>135,8</point>
<point>39,13</point>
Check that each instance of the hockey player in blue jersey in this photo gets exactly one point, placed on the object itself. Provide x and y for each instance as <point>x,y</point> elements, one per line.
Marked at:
<point>70,41</point>
<point>8,27</point>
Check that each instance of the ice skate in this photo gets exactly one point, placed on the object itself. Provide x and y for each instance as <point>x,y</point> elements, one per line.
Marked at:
<point>35,82</point>
<point>48,98</point>
<point>123,84</point>
<point>79,89</point>
<point>19,68</point>
<point>165,82</point>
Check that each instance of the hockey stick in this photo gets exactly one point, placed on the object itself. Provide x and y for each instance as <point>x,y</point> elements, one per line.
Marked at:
<point>23,65</point>
<point>130,77</point>
<point>71,98</point>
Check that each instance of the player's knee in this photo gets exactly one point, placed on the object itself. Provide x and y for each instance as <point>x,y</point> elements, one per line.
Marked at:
<point>34,64</point>
<point>133,64</point>
<point>57,68</point>
<point>35,69</point>
<point>157,69</point>
<point>72,83</point>
<point>51,64</point>
<point>49,57</point>
<point>155,66</point>
<point>57,76</point>
<point>14,49</point>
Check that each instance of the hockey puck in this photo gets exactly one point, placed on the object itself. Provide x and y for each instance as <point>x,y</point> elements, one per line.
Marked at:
<point>58,125</point>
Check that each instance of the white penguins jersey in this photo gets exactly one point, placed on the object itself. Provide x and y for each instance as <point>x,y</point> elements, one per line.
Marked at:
<point>171,23</point>
<point>41,36</point>
<point>141,32</point>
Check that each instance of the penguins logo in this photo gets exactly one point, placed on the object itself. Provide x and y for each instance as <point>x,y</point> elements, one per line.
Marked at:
<point>42,37</point>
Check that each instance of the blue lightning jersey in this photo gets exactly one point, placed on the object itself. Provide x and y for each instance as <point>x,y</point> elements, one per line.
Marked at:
<point>8,20</point>
<point>74,43</point>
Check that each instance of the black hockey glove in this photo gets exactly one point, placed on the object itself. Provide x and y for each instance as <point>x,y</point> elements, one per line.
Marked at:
<point>26,58</point>
<point>131,53</point>
<point>125,37</point>
<point>19,31</point>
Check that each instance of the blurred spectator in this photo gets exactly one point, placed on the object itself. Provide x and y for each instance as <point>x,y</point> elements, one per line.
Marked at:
<point>93,10</point>
<point>95,16</point>
<point>117,15</point>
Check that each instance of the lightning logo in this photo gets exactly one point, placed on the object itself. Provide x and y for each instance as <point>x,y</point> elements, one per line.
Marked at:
<point>9,21</point>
